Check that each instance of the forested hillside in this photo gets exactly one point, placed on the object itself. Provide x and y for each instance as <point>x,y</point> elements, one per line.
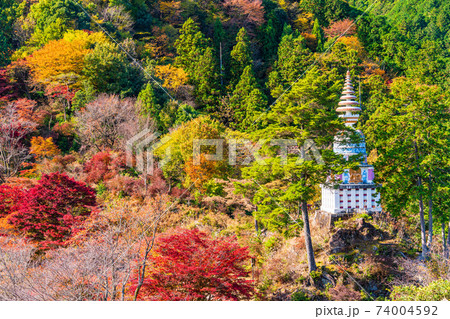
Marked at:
<point>106,193</point>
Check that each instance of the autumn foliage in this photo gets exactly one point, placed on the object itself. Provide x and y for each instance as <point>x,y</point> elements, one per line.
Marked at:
<point>202,171</point>
<point>56,58</point>
<point>60,91</point>
<point>43,147</point>
<point>7,89</point>
<point>104,166</point>
<point>123,120</point>
<point>343,27</point>
<point>159,186</point>
<point>10,197</point>
<point>191,265</point>
<point>172,77</point>
<point>51,211</point>
<point>245,12</point>
<point>61,61</point>
<point>28,111</point>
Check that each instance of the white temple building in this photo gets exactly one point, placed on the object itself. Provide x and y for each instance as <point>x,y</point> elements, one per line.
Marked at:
<point>355,191</point>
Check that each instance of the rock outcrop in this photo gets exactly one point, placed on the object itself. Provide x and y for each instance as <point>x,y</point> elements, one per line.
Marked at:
<point>347,238</point>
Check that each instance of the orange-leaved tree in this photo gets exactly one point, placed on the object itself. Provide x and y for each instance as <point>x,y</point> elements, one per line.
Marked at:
<point>179,149</point>
<point>202,171</point>
<point>28,111</point>
<point>43,147</point>
<point>61,61</point>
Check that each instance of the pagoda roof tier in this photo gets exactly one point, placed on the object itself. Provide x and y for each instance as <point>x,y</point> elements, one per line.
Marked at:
<point>348,102</point>
<point>348,96</point>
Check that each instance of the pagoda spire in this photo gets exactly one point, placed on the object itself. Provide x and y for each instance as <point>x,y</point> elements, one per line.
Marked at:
<point>348,105</point>
<point>354,190</point>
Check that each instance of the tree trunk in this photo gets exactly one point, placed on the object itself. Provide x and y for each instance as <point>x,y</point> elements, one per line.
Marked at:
<point>143,267</point>
<point>308,242</point>
<point>430,213</point>
<point>430,222</point>
<point>423,232</point>
<point>444,240</point>
<point>256,221</point>
<point>448,239</point>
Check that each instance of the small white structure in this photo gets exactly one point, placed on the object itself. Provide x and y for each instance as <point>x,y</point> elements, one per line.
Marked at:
<point>356,191</point>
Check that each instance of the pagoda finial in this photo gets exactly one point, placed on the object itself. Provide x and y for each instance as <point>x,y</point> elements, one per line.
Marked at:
<point>348,105</point>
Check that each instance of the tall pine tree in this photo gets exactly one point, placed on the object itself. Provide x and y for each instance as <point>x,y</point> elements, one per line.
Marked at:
<point>220,48</point>
<point>247,101</point>
<point>240,56</point>
<point>293,59</point>
<point>205,79</point>
<point>197,59</point>
<point>410,134</point>
<point>269,40</point>
<point>148,104</point>
<point>318,32</point>
<point>190,45</point>
<point>285,184</point>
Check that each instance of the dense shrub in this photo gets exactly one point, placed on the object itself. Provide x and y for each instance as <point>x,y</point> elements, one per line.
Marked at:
<point>104,166</point>
<point>50,212</point>
<point>437,290</point>
<point>125,185</point>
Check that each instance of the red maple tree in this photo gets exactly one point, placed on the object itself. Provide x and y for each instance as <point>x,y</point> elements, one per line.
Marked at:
<point>51,211</point>
<point>190,265</point>
<point>104,166</point>
<point>10,197</point>
<point>60,91</point>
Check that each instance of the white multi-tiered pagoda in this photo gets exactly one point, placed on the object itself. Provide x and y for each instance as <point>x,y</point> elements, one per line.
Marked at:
<point>356,191</point>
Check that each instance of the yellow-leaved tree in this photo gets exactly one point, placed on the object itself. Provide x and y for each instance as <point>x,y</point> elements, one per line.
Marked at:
<point>185,158</point>
<point>173,77</point>
<point>353,43</point>
<point>44,150</point>
<point>43,147</point>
